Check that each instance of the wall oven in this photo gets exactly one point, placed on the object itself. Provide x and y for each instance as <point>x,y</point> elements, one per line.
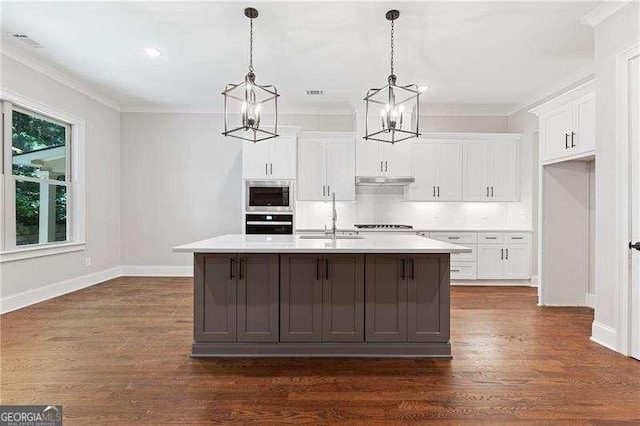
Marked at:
<point>269,224</point>
<point>269,196</point>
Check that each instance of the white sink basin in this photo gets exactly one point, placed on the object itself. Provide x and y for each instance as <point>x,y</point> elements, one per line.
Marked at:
<point>328,237</point>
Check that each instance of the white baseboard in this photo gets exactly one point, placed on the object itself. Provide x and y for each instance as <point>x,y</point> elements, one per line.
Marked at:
<point>156,271</point>
<point>603,335</point>
<point>534,281</point>
<point>591,300</point>
<point>492,283</point>
<point>30,297</point>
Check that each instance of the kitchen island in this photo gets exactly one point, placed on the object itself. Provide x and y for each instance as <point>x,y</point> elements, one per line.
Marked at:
<point>284,295</point>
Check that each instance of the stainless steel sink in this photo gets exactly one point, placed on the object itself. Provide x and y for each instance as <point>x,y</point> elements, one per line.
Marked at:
<point>328,237</point>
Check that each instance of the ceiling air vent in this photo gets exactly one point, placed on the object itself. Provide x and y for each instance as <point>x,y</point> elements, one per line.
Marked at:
<point>28,40</point>
<point>315,92</point>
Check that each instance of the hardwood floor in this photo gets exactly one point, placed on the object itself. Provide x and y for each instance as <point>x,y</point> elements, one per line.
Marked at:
<point>118,353</point>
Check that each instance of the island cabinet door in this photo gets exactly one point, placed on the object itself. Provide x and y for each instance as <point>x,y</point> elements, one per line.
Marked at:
<point>343,298</point>
<point>386,298</point>
<point>300,298</point>
<point>428,298</point>
<point>215,298</point>
<point>258,285</point>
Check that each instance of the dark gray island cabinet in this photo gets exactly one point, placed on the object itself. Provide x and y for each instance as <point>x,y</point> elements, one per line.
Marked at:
<point>321,304</point>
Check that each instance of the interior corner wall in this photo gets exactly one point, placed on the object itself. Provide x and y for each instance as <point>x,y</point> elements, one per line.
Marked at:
<point>615,34</point>
<point>102,184</point>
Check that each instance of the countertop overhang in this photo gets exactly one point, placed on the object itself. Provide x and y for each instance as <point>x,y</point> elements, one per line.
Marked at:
<point>238,243</point>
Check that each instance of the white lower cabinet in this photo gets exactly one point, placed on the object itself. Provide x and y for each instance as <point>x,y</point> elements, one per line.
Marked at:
<point>493,256</point>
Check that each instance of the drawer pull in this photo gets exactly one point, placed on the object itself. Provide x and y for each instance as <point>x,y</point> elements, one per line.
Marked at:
<point>490,238</point>
<point>453,238</point>
<point>517,238</point>
<point>455,270</point>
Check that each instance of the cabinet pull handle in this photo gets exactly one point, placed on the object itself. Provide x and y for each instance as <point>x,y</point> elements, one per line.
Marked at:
<point>240,268</point>
<point>453,238</point>
<point>386,165</point>
<point>507,256</point>
<point>231,262</point>
<point>326,268</point>
<point>271,168</point>
<point>323,190</point>
<point>501,254</point>
<point>438,191</point>
<point>492,191</point>
<point>572,135</point>
<point>490,238</point>
<point>318,269</point>
<point>381,166</point>
<point>455,270</point>
<point>487,191</point>
<point>434,191</point>
<point>266,168</point>
<point>328,190</point>
<point>566,141</point>
<point>404,266</point>
<point>413,269</point>
<point>517,238</point>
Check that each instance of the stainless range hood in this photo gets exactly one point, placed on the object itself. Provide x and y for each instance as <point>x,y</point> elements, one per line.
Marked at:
<point>384,180</point>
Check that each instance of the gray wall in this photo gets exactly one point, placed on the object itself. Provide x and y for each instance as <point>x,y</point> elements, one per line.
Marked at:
<point>103,183</point>
<point>612,36</point>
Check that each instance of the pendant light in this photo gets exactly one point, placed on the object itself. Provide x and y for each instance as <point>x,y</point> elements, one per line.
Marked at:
<point>395,109</point>
<point>248,106</point>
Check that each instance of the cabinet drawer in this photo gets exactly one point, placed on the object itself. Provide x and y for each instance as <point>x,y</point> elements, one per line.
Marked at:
<point>456,237</point>
<point>490,237</point>
<point>463,270</point>
<point>517,238</point>
<point>467,257</point>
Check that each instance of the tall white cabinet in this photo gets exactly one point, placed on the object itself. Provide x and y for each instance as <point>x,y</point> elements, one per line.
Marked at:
<point>326,164</point>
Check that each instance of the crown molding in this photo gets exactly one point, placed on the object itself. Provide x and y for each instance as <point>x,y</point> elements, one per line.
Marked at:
<point>54,73</point>
<point>583,76</point>
<point>603,11</point>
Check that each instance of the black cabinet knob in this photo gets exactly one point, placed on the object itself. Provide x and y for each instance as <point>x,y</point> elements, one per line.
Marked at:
<point>635,246</point>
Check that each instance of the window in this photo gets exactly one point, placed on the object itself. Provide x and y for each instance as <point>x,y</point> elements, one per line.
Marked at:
<point>39,183</point>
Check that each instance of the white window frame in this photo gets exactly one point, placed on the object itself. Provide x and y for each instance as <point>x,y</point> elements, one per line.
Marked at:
<point>76,221</point>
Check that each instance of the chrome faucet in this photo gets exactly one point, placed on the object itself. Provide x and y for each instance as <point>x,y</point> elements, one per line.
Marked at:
<point>334,217</point>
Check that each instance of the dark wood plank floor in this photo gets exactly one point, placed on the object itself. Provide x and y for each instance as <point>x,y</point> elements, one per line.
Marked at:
<point>119,353</point>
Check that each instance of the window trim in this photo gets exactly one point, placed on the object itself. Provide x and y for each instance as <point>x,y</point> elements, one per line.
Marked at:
<point>75,182</point>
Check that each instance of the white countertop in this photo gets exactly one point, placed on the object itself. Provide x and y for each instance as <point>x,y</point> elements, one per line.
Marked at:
<point>383,243</point>
<point>414,230</point>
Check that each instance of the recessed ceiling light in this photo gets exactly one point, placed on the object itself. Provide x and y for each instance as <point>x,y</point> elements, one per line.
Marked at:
<point>424,88</point>
<point>152,52</point>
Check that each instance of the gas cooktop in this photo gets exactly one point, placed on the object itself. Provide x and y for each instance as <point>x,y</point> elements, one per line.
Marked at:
<point>381,226</point>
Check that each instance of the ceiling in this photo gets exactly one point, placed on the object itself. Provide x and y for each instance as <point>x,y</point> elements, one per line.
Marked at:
<point>500,54</point>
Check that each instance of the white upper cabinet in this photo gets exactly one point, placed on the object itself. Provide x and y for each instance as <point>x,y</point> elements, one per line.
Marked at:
<point>436,165</point>
<point>326,164</point>
<point>568,125</point>
<point>491,170</point>
<point>383,159</point>
<point>270,159</point>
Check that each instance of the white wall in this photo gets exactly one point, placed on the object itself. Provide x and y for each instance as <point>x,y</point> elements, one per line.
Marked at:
<point>102,186</point>
<point>612,36</point>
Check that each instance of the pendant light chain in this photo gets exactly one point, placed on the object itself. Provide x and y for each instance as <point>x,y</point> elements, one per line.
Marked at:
<point>392,25</point>
<point>251,45</point>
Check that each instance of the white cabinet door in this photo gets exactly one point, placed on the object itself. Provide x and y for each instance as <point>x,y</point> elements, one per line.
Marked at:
<point>517,265</point>
<point>397,158</point>
<point>557,131</point>
<point>282,162</point>
<point>490,262</point>
<point>369,158</point>
<point>255,159</point>
<point>311,171</point>
<point>424,165</point>
<point>340,169</point>
<point>585,125</point>
<point>449,158</point>
<point>505,180</point>
<point>476,170</point>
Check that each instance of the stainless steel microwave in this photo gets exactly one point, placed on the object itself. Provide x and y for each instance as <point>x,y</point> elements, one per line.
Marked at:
<point>269,196</point>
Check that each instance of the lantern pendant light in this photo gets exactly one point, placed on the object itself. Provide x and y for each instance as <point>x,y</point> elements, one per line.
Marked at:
<point>250,110</point>
<point>395,109</point>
